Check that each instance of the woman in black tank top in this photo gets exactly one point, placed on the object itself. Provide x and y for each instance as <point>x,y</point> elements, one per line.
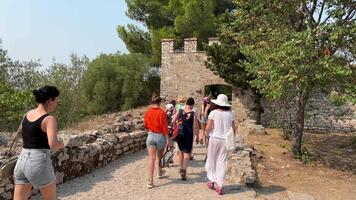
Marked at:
<point>39,134</point>
<point>185,141</point>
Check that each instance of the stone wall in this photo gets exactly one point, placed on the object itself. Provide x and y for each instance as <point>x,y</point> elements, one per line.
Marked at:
<point>84,152</point>
<point>184,73</point>
<point>320,114</point>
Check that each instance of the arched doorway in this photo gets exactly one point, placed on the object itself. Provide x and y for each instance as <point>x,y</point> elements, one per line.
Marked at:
<point>215,89</point>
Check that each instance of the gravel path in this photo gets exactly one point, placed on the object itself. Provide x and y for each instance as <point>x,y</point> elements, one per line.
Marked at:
<point>126,178</point>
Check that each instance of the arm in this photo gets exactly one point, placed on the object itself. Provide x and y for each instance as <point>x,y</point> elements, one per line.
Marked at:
<point>209,126</point>
<point>196,129</point>
<point>233,127</point>
<point>51,129</point>
<point>175,116</point>
<point>165,128</point>
<point>206,110</point>
<point>145,120</point>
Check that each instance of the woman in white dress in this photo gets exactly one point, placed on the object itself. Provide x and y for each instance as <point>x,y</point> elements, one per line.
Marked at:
<point>220,121</point>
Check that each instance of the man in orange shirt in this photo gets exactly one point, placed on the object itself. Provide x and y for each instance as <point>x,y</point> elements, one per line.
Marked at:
<point>157,126</point>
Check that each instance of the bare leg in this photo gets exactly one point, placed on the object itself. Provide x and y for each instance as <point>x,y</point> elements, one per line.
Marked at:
<point>49,192</point>
<point>159,156</point>
<point>151,163</point>
<point>186,158</point>
<point>22,191</point>
<point>181,158</point>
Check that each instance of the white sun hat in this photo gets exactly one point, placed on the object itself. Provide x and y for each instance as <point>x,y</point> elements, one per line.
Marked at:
<point>221,101</point>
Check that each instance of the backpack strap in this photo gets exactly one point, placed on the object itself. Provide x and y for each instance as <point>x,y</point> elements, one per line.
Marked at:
<point>18,133</point>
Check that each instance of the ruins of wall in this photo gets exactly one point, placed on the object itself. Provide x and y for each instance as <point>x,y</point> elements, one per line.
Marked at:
<point>84,152</point>
<point>184,73</point>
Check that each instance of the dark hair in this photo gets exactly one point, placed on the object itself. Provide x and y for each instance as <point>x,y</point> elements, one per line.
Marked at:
<point>222,107</point>
<point>45,93</point>
<point>155,99</point>
<point>173,102</point>
<point>190,101</point>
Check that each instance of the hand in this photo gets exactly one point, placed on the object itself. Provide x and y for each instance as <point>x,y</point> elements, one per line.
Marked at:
<point>168,142</point>
<point>197,140</point>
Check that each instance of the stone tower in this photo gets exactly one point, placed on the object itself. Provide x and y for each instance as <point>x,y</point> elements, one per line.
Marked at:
<point>184,73</point>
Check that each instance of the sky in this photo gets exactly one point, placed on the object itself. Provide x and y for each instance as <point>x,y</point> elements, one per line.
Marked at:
<point>47,29</point>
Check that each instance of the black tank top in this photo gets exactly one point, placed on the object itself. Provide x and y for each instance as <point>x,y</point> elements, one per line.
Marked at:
<point>32,134</point>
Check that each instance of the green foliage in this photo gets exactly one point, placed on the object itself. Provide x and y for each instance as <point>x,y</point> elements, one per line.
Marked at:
<point>353,141</point>
<point>136,40</point>
<point>172,19</point>
<point>67,79</point>
<point>15,89</point>
<point>13,104</point>
<point>197,20</point>
<point>117,81</point>
<point>305,156</point>
<point>293,47</point>
<point>225,60</point>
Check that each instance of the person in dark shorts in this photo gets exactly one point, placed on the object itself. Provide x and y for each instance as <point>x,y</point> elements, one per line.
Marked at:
<point>39,134</point>
<point>185,141</point>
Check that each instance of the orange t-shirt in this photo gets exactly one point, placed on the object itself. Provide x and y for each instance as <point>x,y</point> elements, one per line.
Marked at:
<point>156,120</point>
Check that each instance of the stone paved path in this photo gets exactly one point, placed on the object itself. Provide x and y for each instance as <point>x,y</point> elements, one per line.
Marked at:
<point>126,178</point>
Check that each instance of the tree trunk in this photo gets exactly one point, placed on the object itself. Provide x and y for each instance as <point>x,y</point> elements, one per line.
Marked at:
<point>299,126</point>
<point>259,110</point>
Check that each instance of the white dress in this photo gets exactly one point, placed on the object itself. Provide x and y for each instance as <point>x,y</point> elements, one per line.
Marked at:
<point>216,163</point>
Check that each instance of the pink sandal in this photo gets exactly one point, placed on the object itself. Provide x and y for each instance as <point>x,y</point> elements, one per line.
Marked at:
<point>219,191</point>
<point>211,185</point>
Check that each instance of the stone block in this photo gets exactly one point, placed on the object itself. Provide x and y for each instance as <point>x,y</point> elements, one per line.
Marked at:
<point>59,177</point>
<point>124,137</point>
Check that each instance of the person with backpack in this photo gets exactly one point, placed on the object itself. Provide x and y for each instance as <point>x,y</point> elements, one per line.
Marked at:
<point>185,137</point>
<point>39,133</point>
<point>220,120</point>
<point>170,111</point>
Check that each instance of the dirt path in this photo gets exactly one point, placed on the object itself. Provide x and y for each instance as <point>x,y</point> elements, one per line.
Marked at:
<point>322,178</point>
<point>125,178</point>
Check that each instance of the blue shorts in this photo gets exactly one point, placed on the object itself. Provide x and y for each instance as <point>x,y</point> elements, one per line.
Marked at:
<point>34,166</point>
<point>156,140</point>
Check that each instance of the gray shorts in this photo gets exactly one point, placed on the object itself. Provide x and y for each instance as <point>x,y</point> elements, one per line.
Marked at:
<point>34,166</point>
<point>156,140</point>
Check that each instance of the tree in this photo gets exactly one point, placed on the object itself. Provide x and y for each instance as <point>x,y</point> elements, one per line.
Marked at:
<point>225,60</point>
<point>15,95</point>
<point>136,40</point>
<point>295,47</point>
<point>67,79</point>
<point>171,19</point>
<point>116,82</point>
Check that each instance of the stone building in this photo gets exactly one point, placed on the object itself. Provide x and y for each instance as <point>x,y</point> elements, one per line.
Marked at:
<point>184,73</point>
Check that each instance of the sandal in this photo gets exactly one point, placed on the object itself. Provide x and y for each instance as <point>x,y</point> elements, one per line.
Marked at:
<point>150,185</point>
<point>183,174</point>
<point>211,185</point>
<point>161,173</point>
<point>219,191</point>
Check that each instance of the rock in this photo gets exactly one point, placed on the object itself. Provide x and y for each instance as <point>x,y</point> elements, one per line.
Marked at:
<point>251,177</point>
<point>59,177</point>
<point>299,196</point>
<point>9,186</point>
<point>72,140</point>
<point>257,129</point>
